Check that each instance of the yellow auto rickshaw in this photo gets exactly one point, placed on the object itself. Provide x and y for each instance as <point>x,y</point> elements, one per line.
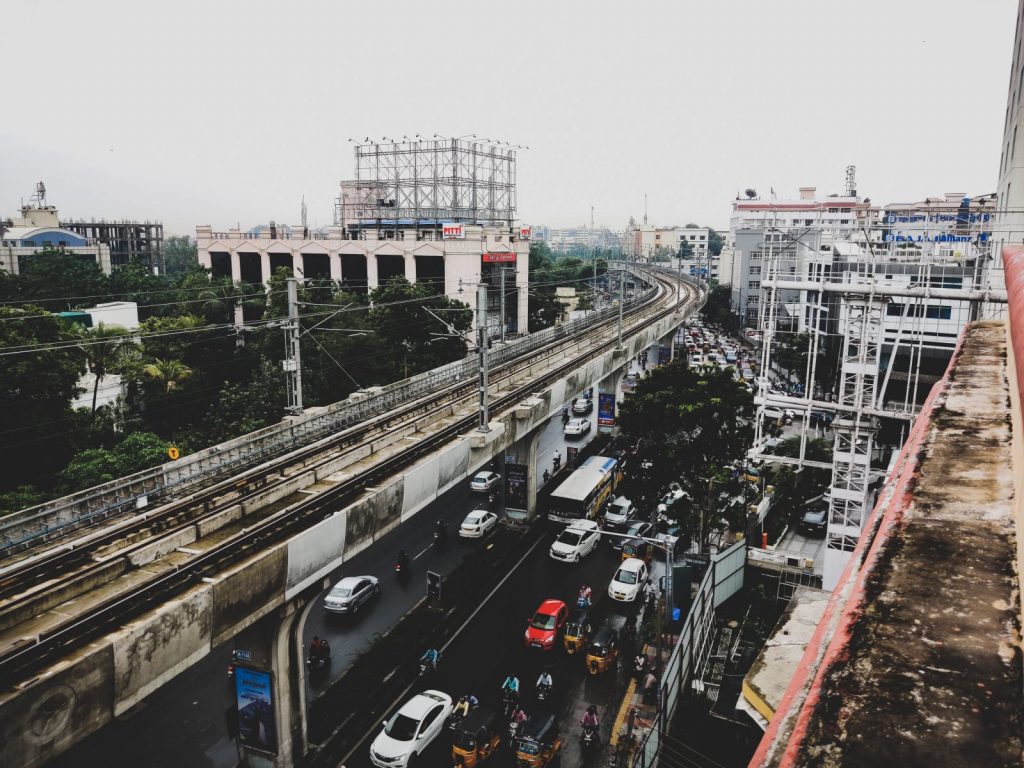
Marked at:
<point>476,738</point>
<point>577,633</point>
<point>539,742</point>
<point>603,650</point>
<point>638,548</point>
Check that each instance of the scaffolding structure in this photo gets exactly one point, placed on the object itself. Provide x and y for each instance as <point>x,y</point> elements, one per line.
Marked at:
<point>129,241</point>
<point>875,299</point>
<point>430,181</point>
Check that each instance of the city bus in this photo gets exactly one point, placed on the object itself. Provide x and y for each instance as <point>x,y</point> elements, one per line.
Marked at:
<point>583,494</point>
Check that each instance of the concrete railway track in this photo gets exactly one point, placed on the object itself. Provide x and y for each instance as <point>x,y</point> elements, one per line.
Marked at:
<point>110,574</point>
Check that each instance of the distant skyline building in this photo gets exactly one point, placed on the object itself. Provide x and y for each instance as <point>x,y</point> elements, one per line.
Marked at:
<point>565,239</point>
<point>39,227</point>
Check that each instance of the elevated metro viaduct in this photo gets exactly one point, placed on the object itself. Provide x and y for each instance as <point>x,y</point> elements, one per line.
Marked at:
<point>264,600</point>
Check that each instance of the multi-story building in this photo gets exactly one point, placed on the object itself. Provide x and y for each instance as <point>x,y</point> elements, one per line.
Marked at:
<point>414,212</point>
<point>1009,226</point>
<point>39,227</point>
<point>128,241</point>
<point>564,239</point>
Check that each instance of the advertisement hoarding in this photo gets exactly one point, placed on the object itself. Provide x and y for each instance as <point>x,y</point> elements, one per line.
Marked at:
<point>453,232</point>
<point>525,233</point>
<point>515,493</point>
<point>254,697</point>
<point>664,355</point>
<point>606,409</point>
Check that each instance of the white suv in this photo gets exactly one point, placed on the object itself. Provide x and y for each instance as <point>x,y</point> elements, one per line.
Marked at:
<point>576,542</point>
<point>411,729</point>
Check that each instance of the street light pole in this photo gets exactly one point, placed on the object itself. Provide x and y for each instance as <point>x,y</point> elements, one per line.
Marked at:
<point>292,363</point>
<point>502,304</point>
<point>481,344</point>
<point>622,284</point>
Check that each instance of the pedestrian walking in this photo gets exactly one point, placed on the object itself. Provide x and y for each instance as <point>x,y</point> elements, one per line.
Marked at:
<point>650,687</point>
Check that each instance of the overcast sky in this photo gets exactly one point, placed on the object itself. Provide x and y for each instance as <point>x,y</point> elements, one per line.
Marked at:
<point>222,113</point>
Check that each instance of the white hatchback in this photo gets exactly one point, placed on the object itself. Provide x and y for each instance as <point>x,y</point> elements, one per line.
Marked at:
<point>576,542</point>
<point>484,481</point>
<point>629,580</point>
<point>410,730</point>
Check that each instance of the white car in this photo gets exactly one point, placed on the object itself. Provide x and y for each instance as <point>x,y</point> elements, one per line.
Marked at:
<point>477,523</point>
<point>576,542</point>
<point>411,729</point>
<point>629,581</point>
<point>351,593</point>
<point>577,427</point>
<point>484,481</point>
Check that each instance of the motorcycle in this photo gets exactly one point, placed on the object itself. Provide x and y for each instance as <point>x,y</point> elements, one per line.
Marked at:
<point>589,740</point>
<point>401,566</point>
<point>511,702</point>
<point>543,691</point>
<point>440,536</point>
<point>427,667</point>
<point>317,663</point>
<point>513,733</point>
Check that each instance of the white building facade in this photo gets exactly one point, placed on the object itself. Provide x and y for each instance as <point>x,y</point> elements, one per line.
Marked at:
<point>39,227</point>
<point>451,258</point>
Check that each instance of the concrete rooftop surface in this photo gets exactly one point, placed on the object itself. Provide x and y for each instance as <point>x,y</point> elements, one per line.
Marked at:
<point>917,659</point>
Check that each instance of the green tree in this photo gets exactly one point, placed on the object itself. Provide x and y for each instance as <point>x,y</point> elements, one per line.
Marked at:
<point>181,255</point>
<point>36,390</point>
<point>718,308</point>
<point>153,293</point>
<point>103,346</point>
<point>690,425</point>
<point>93,466</point>
<point>168,374</point>
<point>401,319</point>
<point>56,281</point>
<point>715,242</point>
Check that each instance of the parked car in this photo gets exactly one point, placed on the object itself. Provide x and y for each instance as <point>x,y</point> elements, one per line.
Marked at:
<point>629,581</point>
<point>410,730</point>
<point>773,413</point>
<point>477,524</point>
<point>576,542</point>
<point>547,622</point>
<point>484,481</point>
<point>619,512</point>
<point>814,521</point>
<point>575,427</point>
<point>675,493</point>
<point>351,593</point>
<point>581,406</point>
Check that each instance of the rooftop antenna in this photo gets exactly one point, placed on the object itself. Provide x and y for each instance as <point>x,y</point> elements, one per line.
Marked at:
<point>851,181</point>
<point>303,211</point>
<point>645,208</point>
<point>591,217</point>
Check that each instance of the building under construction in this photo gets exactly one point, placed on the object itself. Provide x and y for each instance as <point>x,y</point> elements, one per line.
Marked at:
<point>128,240</point>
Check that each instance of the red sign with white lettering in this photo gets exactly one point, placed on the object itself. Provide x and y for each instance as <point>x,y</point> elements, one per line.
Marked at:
<point>525,232</point>
<point>491,258</point>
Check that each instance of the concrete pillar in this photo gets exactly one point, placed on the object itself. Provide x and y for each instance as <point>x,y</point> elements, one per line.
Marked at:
<point>521,481</point>
<point>371,271</point>
<point>410,268</point>
<point>276,645</point>
<point>236,266</point>
<point>609,385</point>
<point>335,267</point>
<point>264,266</point>
<point>297,266</point>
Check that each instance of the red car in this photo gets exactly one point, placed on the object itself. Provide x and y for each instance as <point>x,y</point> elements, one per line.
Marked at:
<point>547,622</point>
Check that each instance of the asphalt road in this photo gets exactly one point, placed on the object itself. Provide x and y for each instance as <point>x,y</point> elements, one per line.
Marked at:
<point>491,647</point>
<point>183,722</point>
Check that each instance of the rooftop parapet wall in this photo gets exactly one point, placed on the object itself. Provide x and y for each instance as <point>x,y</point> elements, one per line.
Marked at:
<point>917,660</point>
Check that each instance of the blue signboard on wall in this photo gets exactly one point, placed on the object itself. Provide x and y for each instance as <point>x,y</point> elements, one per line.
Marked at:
<point>254,696</point>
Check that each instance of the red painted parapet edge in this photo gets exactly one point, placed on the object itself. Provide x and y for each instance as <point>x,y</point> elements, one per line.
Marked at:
<point>1013,266</point>
<point>827,647</point>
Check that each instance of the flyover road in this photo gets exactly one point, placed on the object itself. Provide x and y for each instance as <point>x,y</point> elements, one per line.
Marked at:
<point>182,724</point>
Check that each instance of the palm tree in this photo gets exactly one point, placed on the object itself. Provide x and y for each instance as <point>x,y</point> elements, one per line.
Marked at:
<point>103,345</point>
<point>169,373</point>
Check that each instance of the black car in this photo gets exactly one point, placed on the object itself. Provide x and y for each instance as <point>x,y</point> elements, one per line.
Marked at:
<point>814,521</point>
